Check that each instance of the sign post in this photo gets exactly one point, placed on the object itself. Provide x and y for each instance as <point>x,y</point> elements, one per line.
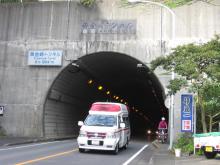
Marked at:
<point>187,113</point>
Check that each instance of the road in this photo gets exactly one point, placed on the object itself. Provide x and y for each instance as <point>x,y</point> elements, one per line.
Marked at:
<point>66,153</point>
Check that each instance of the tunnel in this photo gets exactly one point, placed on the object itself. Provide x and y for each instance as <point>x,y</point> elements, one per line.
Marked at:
<point>103,76</point>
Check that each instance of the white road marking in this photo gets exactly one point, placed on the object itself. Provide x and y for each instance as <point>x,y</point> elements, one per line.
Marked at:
<point>32,145</point>
<point>129,160</point>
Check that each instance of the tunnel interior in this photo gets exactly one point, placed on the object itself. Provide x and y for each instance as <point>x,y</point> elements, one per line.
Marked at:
<point>103,76</point>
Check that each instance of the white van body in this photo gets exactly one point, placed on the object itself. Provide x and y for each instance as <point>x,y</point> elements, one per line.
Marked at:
<point>106,127</point>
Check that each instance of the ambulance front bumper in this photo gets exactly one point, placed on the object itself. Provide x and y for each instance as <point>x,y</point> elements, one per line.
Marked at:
<point>97,144</point>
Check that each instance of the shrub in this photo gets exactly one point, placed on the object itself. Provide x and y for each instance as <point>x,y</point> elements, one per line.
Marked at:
<point>87,3</point>
<point>185,142</point>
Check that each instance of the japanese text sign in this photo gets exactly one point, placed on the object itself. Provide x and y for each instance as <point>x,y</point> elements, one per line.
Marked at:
<point>45,57</point>
<point>186,113</point>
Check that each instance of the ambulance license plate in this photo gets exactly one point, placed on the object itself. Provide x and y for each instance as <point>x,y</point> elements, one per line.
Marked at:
<point>208,149</point>
<point>95,142</point>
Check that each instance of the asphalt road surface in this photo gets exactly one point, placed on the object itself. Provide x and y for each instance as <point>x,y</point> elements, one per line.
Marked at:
<point>66,153</point>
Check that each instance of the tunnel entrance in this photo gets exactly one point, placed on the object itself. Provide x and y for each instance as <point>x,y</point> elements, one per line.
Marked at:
<point>103,76</point>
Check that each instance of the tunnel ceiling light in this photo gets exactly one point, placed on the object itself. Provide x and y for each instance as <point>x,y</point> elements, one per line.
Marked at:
<point>100,87</point>
<point>90,82</point>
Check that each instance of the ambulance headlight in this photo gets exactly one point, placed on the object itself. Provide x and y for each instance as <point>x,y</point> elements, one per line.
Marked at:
<point>82,133</point>
<point>111,135</point>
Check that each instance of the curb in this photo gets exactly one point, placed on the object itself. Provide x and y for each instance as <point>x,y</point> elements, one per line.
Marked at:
<point>37,141</point>
<point>156,144</point>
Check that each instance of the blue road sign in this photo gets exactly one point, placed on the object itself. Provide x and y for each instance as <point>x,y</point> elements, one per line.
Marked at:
<point>187,113</point>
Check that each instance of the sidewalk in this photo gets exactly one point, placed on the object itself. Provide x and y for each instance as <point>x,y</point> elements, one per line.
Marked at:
<point>160,155</point>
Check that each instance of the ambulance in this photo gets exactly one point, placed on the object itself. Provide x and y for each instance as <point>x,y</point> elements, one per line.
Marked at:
<point>106,127</point>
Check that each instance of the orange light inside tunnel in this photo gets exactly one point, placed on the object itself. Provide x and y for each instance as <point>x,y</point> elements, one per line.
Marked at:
<point>90,82</point>
<point>100,87</point>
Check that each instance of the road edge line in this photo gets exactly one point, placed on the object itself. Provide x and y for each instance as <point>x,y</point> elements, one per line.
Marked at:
<point>135,155</point>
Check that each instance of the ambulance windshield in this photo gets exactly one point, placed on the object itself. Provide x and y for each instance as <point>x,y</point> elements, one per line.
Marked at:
<point>101,120</point>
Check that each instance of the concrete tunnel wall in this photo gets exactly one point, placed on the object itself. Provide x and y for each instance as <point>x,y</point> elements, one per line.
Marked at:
<point>50,25</point>
<point>63,106</point>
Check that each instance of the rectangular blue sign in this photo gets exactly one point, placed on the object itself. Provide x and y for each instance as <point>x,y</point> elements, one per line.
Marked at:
<point>45,57</point>
<point>187,113</point>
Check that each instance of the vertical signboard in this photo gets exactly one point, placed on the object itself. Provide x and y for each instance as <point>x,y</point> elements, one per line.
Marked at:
<point>186,113</point>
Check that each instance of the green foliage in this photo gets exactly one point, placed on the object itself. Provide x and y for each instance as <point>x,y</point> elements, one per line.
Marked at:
<point>199,152</point>
<point>87,3</point>
<point>197,63</point>
<point>185,142</point>
<point>211,93</point>
<point>169,3</point>
<point>176,3</point>
<point>175,85</point>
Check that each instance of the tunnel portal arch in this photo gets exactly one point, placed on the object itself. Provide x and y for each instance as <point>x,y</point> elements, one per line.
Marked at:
<point>77,86</point>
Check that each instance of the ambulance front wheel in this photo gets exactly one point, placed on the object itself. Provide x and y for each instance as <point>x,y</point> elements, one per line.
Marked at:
<point>116,150</point>
<point>126,144</point>
<point>81,150</point>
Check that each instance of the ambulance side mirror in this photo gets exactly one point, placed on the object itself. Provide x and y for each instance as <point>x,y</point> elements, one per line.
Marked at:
<point>122,125</point>
<point>80,123</point>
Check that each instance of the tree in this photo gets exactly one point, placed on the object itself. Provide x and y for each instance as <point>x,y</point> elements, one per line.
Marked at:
<point>211,95</point>
<point>197,64</point>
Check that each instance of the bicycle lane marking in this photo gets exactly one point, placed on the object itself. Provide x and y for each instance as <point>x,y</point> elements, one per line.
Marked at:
<point>46,157</point>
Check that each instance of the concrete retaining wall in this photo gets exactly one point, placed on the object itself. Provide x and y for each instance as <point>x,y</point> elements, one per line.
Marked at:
<point>56,25</point>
